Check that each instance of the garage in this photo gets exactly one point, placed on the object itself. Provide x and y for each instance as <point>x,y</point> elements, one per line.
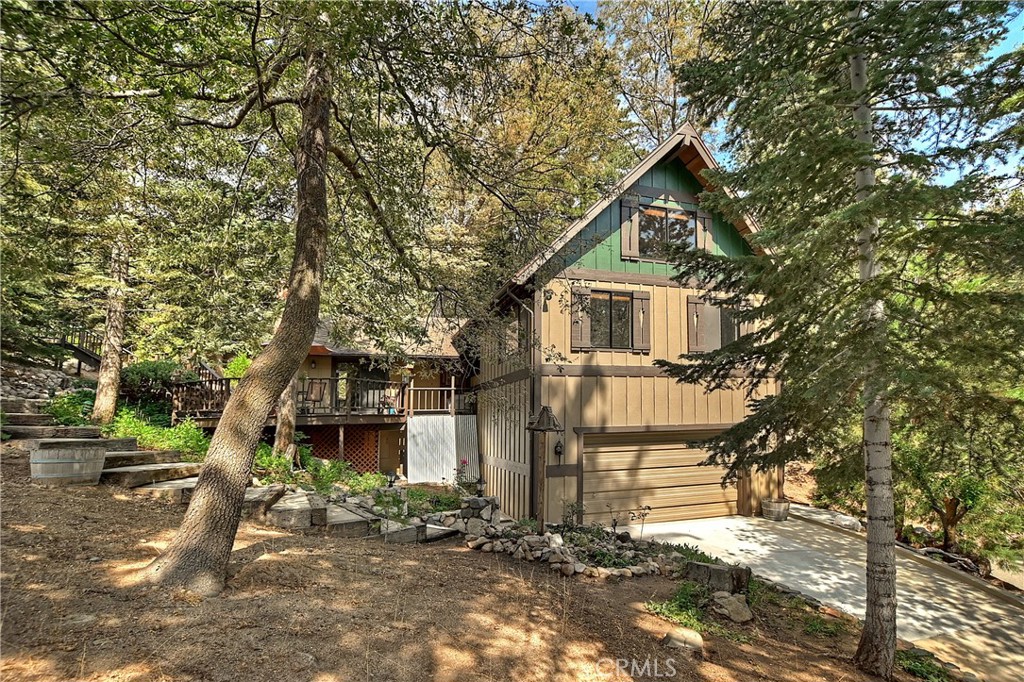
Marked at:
<point>623,472</point>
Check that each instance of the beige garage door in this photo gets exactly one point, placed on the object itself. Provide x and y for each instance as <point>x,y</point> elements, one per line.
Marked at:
<point>624,472</point>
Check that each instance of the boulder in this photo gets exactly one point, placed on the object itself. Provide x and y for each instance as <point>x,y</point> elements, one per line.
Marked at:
<point>717,577</point>
<point>686,639</point>
<point>476,526</point>
<point>732,606</point>
<point>847,522</point>
<point>568,569</point>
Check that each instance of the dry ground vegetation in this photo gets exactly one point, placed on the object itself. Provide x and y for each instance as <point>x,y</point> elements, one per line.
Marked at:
<point>311,607</point>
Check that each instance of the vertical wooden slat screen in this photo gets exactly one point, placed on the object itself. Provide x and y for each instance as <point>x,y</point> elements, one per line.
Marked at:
<point>580,335</point>
<point>641,321</point>
<point>695,332</point>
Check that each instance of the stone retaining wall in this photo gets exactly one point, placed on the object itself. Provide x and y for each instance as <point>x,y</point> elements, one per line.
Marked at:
<point>17,381</point>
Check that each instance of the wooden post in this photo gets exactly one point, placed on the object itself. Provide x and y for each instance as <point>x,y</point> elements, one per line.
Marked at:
<point>540,466</point>
<point>411,395</point>
<point>451,398</point>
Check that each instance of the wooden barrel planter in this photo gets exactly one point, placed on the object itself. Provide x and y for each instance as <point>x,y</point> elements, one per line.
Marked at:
<point>775,510</point>
<point>59,464</point>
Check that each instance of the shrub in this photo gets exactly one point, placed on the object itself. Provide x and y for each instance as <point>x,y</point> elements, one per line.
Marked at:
<point>151,380</point>
<point>361,484</point>
<point>272,468</point>
<point>236,368</point>
<point>427,501</point>
<point>186,438</point>
<point>324,473</point>
<point>72,409</point>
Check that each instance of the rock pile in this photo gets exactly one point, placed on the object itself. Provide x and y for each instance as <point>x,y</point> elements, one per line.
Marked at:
<point>551,549</point>
<point>33,382</point>
<point>477,516</point>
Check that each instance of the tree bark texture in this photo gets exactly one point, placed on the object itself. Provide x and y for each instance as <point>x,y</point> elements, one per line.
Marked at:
<point>198,557</point>
<point>876,652</point>
<point>284,432</point>
<point>108,381</point>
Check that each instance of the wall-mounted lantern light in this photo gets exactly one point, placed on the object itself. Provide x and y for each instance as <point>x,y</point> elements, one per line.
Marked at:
<point>559,451</point>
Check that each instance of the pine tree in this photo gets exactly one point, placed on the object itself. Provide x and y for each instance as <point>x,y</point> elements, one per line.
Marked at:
<point>865,141</point>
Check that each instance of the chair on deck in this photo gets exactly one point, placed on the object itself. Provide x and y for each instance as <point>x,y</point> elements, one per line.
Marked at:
<point>312,400</point>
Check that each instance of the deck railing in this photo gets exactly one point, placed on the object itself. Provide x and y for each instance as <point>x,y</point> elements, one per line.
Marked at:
<point>327,397</point>
<point>336,396</point>
<point>441,399</point>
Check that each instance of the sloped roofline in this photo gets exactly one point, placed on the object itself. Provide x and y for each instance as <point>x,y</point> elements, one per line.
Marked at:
<point>692,151</point>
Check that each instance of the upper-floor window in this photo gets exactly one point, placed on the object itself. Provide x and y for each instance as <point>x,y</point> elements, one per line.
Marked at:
<point>610,320</point>
<point>655,220</point>
<point>710,326</point>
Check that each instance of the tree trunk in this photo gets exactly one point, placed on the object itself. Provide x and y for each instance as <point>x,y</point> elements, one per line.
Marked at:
<point>108,381</point>
<point>198,556</point>
<point>284,432</point>
<point>876,652</point>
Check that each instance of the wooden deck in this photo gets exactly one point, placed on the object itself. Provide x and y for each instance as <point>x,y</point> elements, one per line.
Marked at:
<point>326,402</point>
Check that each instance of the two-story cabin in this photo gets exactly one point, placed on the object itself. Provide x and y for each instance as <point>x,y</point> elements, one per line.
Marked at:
<point>601,306</point>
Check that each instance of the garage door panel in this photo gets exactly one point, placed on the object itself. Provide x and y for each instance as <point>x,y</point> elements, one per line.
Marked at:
<point>608,461</point>
<point>625,472</point>
<point>668,477</point>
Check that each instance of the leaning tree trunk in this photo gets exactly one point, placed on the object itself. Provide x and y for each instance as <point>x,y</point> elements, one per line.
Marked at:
<point>108,381</point>
<point>198,556</point>
<point>284,432</point>
<point>876,652</point>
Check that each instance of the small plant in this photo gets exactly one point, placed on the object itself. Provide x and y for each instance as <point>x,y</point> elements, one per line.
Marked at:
<point>462,481</point>
<point>818,626</point>
<point>613,516</point>
<point>641,515</point>
<point>685,607</point>
<point>923,666</point>
<point>424,501</point>
<point>572,512</point>
<point>361,484</point>
<point>72,409</point>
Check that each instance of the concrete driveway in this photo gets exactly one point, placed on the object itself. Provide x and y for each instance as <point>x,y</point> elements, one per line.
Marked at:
<point>955,618</point>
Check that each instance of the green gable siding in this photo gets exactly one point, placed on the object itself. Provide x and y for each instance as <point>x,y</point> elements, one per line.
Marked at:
<point>599,245</point>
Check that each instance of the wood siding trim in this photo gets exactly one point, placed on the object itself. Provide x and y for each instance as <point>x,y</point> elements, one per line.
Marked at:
<point>505,379</point>
<point>654,428</point>
<point>600,370</point>
<point>561,470</point>
<point>591,274</point>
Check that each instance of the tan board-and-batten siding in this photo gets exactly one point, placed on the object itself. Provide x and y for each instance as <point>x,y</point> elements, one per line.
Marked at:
<point>623,390</point>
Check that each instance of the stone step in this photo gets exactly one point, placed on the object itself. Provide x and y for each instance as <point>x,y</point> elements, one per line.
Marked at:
<point>42,432</point>
<point>27,419</point>
<point>344,523</point>
<point>111,444</point>
<point>135,476</point>
<point>178,490</point>
<point>439,533</point>
<point>30,405</point>
<point>298,510</point>
<point>134,458</point>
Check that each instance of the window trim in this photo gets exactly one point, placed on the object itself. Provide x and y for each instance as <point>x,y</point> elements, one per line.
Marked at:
<point>639,323</point>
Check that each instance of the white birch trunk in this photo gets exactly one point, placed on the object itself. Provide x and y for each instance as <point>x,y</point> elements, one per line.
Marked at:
<point>876,652</point>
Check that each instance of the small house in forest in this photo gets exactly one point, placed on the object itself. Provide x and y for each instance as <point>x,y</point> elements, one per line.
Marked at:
<point>601,306</point>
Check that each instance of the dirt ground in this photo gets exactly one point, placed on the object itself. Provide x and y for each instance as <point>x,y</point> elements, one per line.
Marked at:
<point>305,607</point>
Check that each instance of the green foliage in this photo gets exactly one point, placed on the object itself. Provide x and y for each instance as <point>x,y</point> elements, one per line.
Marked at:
<point>429,500</point>
<point>923,666</point>
<point>72,409</point>
<point>819,626</point>
<point>236,368</point>
<point>186,438</point>
<point>152,379</point>
<point>685,607</point>
<point>361,484</point>
<point>325,473</point>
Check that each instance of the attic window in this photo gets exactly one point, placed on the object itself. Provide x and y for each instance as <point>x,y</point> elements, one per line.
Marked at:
<point>651,225</point>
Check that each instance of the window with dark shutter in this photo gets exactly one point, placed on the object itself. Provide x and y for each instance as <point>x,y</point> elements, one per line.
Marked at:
<point>610,320</point>
<point>696,332</point>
